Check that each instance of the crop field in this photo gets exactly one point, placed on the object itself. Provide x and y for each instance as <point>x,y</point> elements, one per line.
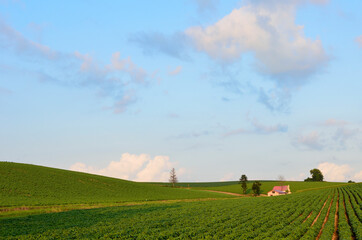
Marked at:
<point>333,212</point>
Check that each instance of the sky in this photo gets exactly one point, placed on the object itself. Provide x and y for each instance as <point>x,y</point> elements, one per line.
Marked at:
<point>214,89</point>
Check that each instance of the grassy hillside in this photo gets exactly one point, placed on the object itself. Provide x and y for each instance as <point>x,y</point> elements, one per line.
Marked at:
<point>266,186</point>
<point>25,184</point>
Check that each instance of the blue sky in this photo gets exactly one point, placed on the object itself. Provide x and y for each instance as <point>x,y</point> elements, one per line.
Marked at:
<point>215,89</point>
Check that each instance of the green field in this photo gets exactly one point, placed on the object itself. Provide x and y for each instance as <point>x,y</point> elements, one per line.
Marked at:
<point>24,184</point>
<point>266,186</point>
<point>47,203</point>
<point>304,215</point>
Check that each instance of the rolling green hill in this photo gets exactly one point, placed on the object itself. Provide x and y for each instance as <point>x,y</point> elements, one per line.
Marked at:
<point>25,184</point>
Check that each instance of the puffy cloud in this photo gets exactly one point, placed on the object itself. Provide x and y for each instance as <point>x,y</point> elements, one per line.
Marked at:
<point>310,141</point>
<point>133,167</point>
<point>175,71</point>
<point>157,169</point>
<point>359,41</point>
<point>267,30</point>
<point>333,172</point>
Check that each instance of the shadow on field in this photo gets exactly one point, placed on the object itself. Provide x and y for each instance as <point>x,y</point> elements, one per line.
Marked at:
<point>38,224</point>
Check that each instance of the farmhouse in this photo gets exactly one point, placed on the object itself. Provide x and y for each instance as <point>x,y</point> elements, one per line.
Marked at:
<point>279,190</point>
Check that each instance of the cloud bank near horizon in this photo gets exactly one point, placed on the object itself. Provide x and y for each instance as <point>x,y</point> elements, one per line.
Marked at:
<point>140,168</point>
<point>339,173</point>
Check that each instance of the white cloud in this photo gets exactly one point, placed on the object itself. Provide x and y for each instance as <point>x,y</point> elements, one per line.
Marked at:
<point>267,30</point>
<point>157,169</point>
<point>176,71</point>
<point>359,41</point>
<point>333,172</point>
<point>134,167</point>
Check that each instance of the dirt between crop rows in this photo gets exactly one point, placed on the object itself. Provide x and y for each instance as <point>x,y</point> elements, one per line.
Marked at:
<point>345,213</point>
<point>335,233</point>
<point>325,219</point>
<point>319,213</point>
<point>308,216</point>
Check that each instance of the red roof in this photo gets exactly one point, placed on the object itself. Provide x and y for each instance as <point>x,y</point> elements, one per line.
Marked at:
<point>280,188</point>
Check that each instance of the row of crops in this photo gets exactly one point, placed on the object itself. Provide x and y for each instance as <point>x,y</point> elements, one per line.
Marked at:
<point>316,214</point>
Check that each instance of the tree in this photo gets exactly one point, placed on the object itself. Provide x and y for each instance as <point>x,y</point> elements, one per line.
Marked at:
<point>173,178</point>
<point>243,180</point>
<point>317,176</point>
<point>256,188</point>
<point>281,180</point>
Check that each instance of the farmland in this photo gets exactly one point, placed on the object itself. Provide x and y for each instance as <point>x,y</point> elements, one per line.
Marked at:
<point>307,215</point>
<point>313,211</point>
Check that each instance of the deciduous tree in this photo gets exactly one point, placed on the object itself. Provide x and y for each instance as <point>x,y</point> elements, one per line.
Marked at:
<point>243,180</point>
<point>317,176</point>
<point>256,188</point>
